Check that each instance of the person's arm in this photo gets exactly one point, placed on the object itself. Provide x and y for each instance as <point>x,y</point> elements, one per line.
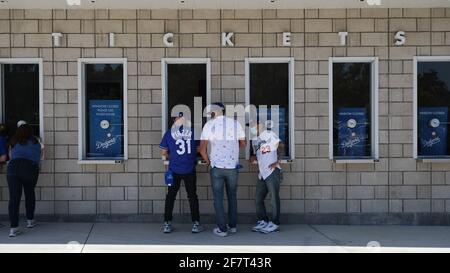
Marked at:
<point>253,159</point>
<point>42,150</point>
<point>242,143</point>
<point>203,150</point>
<point>241,136</point>
<point>278,147</point>
<point>204,141</point>
<point>164,154</point>
<point>164,148</point>
<point>3,150</point>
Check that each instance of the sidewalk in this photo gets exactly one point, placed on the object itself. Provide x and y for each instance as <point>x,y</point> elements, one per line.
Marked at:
<point>143,237</point>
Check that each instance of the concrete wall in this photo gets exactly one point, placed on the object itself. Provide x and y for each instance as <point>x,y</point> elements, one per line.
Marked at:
<point>313,184</point>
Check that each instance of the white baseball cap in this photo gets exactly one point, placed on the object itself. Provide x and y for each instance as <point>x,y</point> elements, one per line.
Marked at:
<point>20,123</point>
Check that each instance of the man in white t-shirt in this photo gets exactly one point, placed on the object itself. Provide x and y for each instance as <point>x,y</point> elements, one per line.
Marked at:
<point>265,145</point>
<point>225,136</point>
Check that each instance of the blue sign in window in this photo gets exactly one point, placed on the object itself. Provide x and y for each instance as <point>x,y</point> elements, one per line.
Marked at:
<point>433,131</point>
<point>352,132</point>
<point>105,129</point>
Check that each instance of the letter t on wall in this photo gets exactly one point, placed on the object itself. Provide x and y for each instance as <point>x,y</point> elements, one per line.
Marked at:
<point>56,39</point>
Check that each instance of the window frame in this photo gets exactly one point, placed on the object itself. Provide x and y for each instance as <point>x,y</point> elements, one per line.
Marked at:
<point>82,159</point>
<point>291,97</point>
<point>40,63</point>
<point>374,61</point>
<point>416,61</point>
<point>164,79</point>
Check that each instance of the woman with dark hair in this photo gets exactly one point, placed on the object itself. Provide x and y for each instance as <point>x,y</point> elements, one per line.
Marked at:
<point>23,172</point>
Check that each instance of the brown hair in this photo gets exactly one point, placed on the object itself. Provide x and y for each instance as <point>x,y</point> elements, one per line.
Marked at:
<point>23,134</point>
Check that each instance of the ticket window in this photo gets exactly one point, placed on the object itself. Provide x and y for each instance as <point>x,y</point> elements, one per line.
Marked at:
<point>20,96</point>
<point>432,108</point>
<point>184,83</point>
<point>353,109</point>
<point>269,90</point>
<point>186,88</point>
<point>103,111</point>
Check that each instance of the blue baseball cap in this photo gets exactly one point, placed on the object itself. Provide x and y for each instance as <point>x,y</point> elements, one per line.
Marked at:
<point>220,105</point>
<point>216,106</point>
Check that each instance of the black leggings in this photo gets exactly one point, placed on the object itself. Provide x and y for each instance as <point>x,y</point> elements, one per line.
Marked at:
<point>22,173</point>
<point>190,183</point>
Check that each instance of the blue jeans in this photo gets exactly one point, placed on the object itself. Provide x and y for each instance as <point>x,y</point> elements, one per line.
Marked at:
<point>270,185</point>
<point>229,177</point>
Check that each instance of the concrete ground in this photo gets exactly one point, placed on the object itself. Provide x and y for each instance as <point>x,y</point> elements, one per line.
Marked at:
<point>143,237</point>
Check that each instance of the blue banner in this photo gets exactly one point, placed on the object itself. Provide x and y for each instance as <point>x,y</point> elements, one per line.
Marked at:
<point>352,132</point>
<point>433,131</point>
<point>105,129</point>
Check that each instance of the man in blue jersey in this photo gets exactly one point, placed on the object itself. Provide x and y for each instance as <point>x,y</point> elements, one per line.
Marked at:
<point>179,145</point>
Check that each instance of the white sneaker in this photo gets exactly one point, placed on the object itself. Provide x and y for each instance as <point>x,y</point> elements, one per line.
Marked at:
<point>220,233</point>
<point>270,227</point>
<point>197,227</point>
<point>259,225</point>
<point>31,223</point>
<point>232,230</point>
<point>13,232</point>
<point>168,227</point>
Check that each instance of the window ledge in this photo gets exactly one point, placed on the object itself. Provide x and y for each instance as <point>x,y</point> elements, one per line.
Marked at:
<point>101,161</point>
<point>286,161</point>
<point>199,162</point>
<point>356,161</point>
<point>282,161</point>
<point>434,160</point>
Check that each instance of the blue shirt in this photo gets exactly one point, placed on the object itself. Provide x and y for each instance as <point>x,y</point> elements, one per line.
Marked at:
<point>3,147</point>
<point>30,151</point>
<point>182,148</point>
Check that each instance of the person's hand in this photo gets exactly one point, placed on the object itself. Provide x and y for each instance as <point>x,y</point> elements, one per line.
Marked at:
<point>205,162</point>
<point>274,165</point>
<point>253,159</point>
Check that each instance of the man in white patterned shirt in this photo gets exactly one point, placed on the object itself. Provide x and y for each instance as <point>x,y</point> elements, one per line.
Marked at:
<point>226,136</point>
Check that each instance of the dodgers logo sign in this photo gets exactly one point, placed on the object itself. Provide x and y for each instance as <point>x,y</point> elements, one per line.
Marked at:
<point>433,131</point>
<point>105,128</point>
<point>352,132</point>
